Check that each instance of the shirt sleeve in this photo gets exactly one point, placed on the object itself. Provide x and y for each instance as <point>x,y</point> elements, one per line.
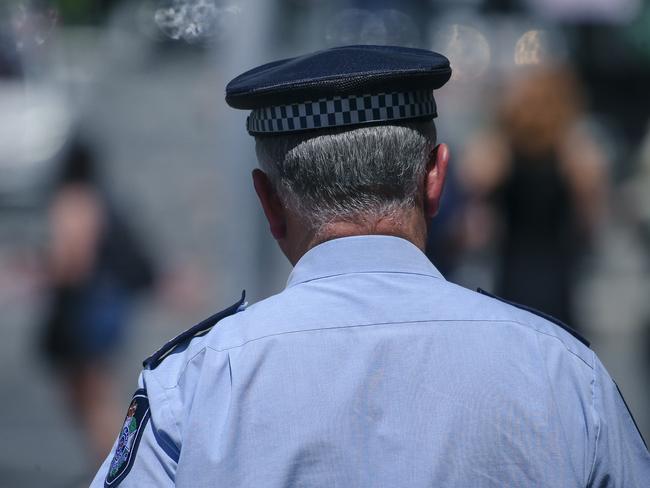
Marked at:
<point>621,457</point>
<point>143,453</point>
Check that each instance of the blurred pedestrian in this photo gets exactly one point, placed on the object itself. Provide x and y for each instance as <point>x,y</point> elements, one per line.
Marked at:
<point>544,175</point>
<point>95,268</point>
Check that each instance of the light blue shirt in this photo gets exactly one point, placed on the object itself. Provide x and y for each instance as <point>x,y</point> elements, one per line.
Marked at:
<point>371,370</point>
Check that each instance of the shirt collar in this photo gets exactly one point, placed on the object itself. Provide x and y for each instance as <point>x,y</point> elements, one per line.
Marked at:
<point>361,254</point>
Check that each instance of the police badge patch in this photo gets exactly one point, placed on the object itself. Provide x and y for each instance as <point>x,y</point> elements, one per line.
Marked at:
<point>127,443</point>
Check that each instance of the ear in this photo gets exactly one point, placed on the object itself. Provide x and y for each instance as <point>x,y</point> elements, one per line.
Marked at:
<point>434,180</point>
<point>271,204</point>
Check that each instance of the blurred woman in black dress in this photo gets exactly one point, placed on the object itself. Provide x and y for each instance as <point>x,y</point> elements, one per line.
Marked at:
<point>543,176</point>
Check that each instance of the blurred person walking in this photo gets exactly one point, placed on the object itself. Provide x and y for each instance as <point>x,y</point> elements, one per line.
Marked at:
<point>545,177</point>
<point>95,267</point>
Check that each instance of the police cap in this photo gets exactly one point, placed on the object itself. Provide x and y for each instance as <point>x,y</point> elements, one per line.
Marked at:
<point>342,86</point>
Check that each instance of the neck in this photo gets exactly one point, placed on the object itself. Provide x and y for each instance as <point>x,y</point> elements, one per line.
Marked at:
<point>410,225</point>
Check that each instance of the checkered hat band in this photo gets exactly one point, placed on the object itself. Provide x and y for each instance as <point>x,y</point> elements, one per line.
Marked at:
<point>341,111</point>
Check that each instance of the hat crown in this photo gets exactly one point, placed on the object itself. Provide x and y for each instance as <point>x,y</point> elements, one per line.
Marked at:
<point>346,70</point>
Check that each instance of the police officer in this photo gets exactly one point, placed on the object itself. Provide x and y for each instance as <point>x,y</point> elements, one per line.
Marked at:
<point>369,369</point>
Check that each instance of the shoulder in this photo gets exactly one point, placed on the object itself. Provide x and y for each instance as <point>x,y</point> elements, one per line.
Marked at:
<point>538,313</point>
<point>170,359</point>
<point>550,333</point>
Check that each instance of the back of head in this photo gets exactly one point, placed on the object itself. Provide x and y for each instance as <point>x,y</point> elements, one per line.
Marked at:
<point>346,139</point>
<point>357,175</point>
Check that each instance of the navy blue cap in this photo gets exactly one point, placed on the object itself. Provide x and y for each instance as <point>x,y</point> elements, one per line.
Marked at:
<point>343,86</point>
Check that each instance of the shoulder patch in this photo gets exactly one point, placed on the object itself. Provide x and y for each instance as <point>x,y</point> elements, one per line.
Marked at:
<point>130,435</point>
<point>198,330</point>
<point>557,322</point>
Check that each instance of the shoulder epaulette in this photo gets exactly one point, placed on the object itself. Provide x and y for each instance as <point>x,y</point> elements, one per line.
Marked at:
<point>198,330</point>
<point>557,322</point>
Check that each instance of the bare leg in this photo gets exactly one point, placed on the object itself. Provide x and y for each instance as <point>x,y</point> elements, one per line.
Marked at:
<point>93,395</point>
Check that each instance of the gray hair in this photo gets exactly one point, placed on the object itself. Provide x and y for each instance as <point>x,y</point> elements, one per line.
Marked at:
<point>361,174</point>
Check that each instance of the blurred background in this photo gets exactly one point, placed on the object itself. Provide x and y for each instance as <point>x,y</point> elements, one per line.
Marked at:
<point>127,212</point>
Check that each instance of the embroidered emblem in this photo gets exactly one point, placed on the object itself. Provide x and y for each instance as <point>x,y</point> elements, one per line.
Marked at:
<point>127,443</point>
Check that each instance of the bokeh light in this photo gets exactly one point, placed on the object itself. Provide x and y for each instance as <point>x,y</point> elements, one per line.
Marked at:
<point>359,26</point>
<point>196,20</point>
<point>467,49</point>
<point>32,26</point>
<point>531,48</point>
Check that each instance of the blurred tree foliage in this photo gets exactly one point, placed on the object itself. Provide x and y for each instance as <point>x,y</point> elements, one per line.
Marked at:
<point>639,32</point>
<point>84,11</point>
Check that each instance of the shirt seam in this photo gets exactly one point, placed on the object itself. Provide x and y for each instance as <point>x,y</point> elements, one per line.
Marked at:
<point>552,391</point>
<point>333,275</point>
<point>598,428</point>
<point>203,348</point>
<point>505,321</point>
<point>168,403</point>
